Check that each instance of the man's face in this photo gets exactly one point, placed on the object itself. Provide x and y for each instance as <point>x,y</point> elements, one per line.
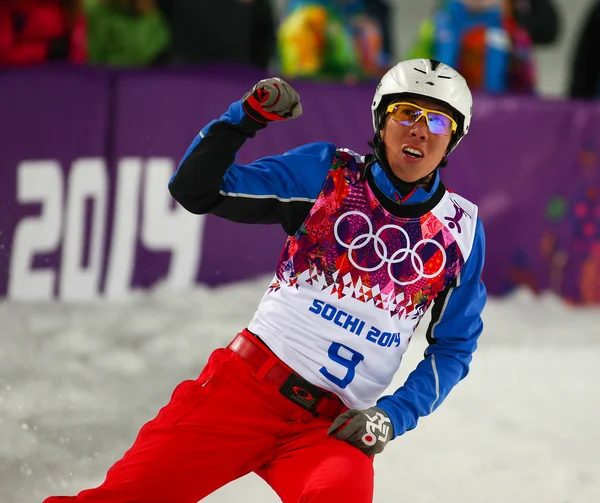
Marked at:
<point>414,151</point>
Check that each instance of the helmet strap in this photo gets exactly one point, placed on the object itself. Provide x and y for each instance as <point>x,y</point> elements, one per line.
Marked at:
<point>403,187</point>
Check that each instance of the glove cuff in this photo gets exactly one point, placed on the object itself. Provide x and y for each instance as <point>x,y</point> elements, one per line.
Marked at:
<point>252,108</point>
<point>252,104</point>
<point>248,126</point>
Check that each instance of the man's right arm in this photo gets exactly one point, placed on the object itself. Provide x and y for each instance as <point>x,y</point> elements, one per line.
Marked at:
<point>201,172</point>
<point>278,189</point>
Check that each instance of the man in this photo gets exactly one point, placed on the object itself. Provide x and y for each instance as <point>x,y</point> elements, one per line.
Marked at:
<point>540,18</point>
<point>373,242</point>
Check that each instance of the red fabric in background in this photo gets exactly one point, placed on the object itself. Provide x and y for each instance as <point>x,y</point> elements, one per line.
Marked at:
<point>27,28</point>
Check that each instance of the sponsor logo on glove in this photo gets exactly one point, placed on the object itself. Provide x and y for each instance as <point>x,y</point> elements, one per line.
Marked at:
<point>369,430</point>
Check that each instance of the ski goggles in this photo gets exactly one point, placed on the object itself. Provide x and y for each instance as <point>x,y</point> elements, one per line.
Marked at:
<point>409,114</point>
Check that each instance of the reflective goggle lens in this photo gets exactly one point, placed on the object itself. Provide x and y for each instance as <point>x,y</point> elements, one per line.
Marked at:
<point>409,113</point>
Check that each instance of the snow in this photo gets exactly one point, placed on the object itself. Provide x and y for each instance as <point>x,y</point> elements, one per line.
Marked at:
<point>78,380</point>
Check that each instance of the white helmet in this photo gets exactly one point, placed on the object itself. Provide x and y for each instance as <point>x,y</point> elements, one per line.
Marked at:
<point>430,79</point>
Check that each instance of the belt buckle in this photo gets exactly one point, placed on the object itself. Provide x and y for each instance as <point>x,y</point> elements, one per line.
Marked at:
<point>300,391</point>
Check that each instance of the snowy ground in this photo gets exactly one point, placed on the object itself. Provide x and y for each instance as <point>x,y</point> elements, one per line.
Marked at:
<point>76,382</point>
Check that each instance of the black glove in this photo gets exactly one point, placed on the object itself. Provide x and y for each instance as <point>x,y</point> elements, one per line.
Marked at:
<point>272,100</point>
<point>370,430</point>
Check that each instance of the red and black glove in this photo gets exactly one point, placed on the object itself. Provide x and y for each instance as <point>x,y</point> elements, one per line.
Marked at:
<point>272,100</point>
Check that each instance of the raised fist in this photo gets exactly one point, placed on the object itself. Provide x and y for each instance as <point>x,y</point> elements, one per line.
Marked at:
<point>272,100</point>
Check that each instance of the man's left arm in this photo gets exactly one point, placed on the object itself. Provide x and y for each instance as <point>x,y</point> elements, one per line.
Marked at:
<point>452,335</point>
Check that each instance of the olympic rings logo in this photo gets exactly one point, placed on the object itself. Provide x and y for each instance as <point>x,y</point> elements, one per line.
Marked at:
<point>382,251</point>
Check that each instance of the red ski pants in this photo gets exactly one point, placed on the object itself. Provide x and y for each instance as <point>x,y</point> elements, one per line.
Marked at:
<point>229,422</point>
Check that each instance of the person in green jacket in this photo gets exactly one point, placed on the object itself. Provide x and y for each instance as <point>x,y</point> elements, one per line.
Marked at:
<point>125,32</point>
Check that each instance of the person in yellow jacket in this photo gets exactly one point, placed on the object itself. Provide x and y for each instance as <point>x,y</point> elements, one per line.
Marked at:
<point>332,39</point>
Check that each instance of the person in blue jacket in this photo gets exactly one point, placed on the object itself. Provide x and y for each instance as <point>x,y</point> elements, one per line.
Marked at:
<point>298,396</point>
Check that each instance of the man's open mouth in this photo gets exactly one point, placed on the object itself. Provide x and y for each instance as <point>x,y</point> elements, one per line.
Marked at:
<point>412,152</point>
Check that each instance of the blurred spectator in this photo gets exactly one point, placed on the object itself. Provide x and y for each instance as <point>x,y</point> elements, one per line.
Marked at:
<point>237,31</point>
<point>482,40</point>
<point>585,73</point>
<point>381,11</point>
<point>334,39</point>
<point>314,41</point>
<point>126,32</point>
<point>539,17</point>
<point>38,31</point>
